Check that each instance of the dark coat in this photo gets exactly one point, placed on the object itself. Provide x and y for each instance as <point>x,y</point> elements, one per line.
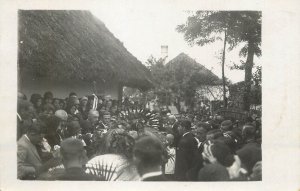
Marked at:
<point>213,172</point>
<point>28,158</point>
<point>186,156</point>
<point>78,174</point>
<point>86,127</point>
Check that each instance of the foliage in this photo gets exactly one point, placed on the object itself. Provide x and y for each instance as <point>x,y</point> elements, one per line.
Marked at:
<point>178,79</point>
<point>205,27</point>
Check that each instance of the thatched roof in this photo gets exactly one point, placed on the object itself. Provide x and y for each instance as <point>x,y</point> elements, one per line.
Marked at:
<point>203,75</point>
<point>75,45</point>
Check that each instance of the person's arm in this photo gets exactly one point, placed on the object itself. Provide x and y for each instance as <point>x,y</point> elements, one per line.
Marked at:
<point>23,168</point>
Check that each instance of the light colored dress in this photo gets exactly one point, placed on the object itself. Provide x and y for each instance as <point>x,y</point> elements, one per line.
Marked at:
<point>170,165</point>
<point>116,165</point>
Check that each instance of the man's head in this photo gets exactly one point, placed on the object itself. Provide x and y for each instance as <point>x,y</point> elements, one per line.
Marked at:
<point>84,101</point>
<point>172,119</point>
<point>63,116</point>
<point>213,134</point>
<point>21,96</point>
<point>148,154</point>
<point>200,133</point>
<point>248,131</point>
<point>26,109</point>
<point>249,156</point>
<point>106,117</point>
<point>93,116</point>
<point>170,139</point>
<point>48,109</point>
<point>73,128</point>
<point>184,126</point>
<point>73,153</point>
<point>56,103</point>
<point>36,99</point>
<point>48,97</point>
<point>36,132</point>
<point>226,125</point>
<point>72,95</point>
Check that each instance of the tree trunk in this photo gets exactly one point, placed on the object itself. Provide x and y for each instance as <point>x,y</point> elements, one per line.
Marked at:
<point>248,75</point>
<point>223,72</point>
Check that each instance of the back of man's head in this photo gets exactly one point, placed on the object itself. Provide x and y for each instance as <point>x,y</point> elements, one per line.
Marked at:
<point>248,131</point>
<point>93,113</point>
<point>226,125</point>
<point>186,124</point>
<point>72,149</point>
<point>148,151</point>
<point>61,114</point>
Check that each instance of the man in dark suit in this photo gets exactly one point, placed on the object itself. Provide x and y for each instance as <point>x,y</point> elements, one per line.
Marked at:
<point>30,163</point>
<point>148,157</point>
<point>186,154</point>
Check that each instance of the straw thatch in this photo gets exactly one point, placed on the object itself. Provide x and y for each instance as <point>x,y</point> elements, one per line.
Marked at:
<point>201,75</point>
<point>75,45</point>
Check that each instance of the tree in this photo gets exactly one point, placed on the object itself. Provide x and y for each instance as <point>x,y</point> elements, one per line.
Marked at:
<point>205,27</point>
<point>178,79</point>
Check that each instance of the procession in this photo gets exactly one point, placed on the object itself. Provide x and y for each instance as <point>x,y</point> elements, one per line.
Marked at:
<point>88,110</point>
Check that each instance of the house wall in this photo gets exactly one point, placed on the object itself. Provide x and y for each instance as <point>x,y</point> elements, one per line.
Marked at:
<point>212,92</point>
<point>62,89</point>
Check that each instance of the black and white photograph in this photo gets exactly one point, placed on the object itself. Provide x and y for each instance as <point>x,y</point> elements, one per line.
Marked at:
<point>117,93</point>
<point>89,109</point>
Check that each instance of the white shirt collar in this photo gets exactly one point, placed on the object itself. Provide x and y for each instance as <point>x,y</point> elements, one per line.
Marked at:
<point>185,134</point>
<point>199,143</point>
<point>150,174</point>
<point>27,137</point>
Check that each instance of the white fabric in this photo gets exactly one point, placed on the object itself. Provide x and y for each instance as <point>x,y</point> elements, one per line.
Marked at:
<point>170,166</point>
<point>127,171</point>
<point>151,174</point>
<point>185,134</point>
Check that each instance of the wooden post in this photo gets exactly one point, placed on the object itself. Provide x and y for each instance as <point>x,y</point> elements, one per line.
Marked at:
<point>120,92</point>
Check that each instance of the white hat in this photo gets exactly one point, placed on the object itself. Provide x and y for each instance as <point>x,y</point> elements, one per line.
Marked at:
<point>62,114</point>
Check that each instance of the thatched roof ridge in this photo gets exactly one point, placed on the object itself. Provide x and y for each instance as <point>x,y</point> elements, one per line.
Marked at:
<point>74,44</point>
<point>204,73</point>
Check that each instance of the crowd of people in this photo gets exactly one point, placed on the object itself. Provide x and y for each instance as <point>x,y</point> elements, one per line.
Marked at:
<point>95,138</point>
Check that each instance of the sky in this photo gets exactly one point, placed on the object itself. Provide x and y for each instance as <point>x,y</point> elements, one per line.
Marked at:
<point>143,28</point>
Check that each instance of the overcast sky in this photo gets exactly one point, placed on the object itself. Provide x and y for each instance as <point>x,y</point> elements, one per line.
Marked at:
<point>143,28</point>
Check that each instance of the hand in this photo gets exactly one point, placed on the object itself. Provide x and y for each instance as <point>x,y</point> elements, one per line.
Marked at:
<point>207,154</point>
<point>56,153</point>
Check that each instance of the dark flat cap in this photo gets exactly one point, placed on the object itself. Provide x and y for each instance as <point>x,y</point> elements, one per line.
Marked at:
<point>226,125</point>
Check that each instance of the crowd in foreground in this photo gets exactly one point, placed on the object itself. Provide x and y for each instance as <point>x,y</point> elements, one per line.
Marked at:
<point>92,138</point>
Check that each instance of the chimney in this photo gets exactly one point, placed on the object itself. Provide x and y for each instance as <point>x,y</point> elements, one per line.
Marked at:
<point>164,52</point>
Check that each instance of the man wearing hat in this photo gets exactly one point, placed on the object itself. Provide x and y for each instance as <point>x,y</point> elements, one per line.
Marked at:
<point>83,108</point>
<point>148,157</point>
<point>186,153</point>
<point>63,116</point>
<point>73,159</point>
<point>226,125</point>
